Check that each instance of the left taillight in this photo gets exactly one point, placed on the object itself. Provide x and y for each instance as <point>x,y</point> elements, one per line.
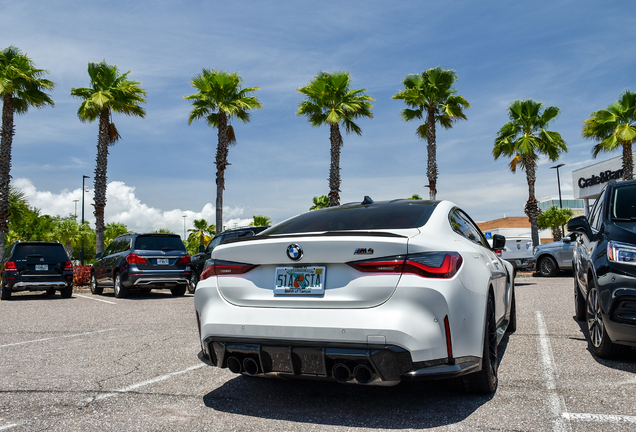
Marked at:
<point>438,265</point>
<point>10,265</point>
<point>184,260</point>
<point>136,259</point>
<point>225,268</point>
<point>68,266</point>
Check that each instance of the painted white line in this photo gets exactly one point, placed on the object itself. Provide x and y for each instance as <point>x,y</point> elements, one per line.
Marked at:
<point>92,298</point>
<point>548,367</point>
<point>8,426</point>
<point>142,384</point>
<point>600,418</point>
<point>56,337</point>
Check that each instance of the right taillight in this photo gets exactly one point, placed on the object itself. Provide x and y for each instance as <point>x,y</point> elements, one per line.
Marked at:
<point>225,268</point>
<point>10,265</point>
<point>136,259</point>
<point>438,265</point>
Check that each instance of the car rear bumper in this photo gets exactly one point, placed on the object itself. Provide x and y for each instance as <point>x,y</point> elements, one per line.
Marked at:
<point>157,279</point>
<point>19,284</point>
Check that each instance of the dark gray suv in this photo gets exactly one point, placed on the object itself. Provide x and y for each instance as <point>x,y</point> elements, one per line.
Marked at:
<point>142,262</point>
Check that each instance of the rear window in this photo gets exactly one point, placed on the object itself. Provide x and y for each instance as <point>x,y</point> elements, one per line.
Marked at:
<point>379,216</point>
<point>50,251</point>
<point>159,242</point>
<point>624,203</point>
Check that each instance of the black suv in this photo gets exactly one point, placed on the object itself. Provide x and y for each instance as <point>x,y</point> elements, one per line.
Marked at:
<point>36,266</point>
<point>142,262</point>
<point>198,260</point>
<point>604,265</point>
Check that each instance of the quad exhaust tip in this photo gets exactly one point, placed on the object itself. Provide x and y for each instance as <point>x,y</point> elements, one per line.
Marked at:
<point>250,366</point>
<point>341,372</point>
<point>234,365</point>
<point>363,374</point>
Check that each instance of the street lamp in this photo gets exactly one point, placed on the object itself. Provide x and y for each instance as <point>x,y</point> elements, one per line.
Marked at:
<point>84,177</point>
<point>558,182</point>
<point>76,201</point>
<point>184,222</point>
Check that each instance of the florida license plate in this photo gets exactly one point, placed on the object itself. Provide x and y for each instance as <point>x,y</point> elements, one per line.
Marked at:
<point>300,280</point>
<point>41,267</point>
<point>162,261</point>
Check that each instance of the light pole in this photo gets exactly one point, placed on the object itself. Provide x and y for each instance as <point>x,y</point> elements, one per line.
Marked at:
<point>184,222</point>
<point>75,201</point>
<point>84,177</point>
<point>558,182</point>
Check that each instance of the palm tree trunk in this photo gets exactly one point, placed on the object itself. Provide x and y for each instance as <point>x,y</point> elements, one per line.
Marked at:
<point>431,169</point>
<point>5,167</point>
<point>532,207</point>
<point>334,168</point>
<point>628,162</point>
<point>100,179</point>
<point>221,164</point>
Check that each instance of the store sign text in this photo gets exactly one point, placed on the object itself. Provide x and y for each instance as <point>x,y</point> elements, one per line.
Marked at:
<point>603,177</point>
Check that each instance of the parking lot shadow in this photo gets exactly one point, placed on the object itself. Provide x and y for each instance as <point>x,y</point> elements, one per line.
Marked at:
<point>626,361</point>
<point>409,405</point>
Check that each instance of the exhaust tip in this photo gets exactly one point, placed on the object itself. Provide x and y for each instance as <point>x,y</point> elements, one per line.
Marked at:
<point>250,366</point>
<point>341,372</point>
<point>234,365</point>
<point>363,374</point>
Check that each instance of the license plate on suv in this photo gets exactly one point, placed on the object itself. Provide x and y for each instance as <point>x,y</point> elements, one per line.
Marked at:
<point>299,280</point>
<point>163,261</point>
<point>41,267</point>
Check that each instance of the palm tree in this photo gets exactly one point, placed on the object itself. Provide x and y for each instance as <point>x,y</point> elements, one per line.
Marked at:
<point>220,98</point>
<point>330,100</point>
<point>554,218</point>
<point>109,92</point>
<point>67,231</point>
<point>201,228</point>
<point>320,202</point>
<point>415,197</point>
<point>22,86</point>
<point>431,95</point>
<point>260,220</point>
<point>615,127</point>
<point>18,205</point>
<point>524,138</point>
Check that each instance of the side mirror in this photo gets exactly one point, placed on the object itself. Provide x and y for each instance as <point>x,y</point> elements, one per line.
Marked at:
<point>567,240</point>
<point>98,255</point>
<point>201,248</point>
<point>580,225</point>
<point>498,242</point>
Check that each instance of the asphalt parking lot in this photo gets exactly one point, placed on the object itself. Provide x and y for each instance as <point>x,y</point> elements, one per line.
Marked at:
<point>101,363</point>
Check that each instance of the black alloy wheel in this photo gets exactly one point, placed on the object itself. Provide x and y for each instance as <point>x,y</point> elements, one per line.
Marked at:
<point>600,343</point>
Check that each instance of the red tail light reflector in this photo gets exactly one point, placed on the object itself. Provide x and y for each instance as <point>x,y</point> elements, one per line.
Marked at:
<point>10,265</point>
<point>440,265</point>
<point>184,260</point>
<point>68,266</point>
<point>225,268</point>
<point>136,259</point>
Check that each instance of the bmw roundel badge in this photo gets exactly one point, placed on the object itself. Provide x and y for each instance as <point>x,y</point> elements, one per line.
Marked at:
<point>294,252</point>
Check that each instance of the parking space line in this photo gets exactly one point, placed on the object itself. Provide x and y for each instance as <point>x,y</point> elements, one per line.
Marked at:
<point>8,426</point>
<point>92,298</point>
<point>600,418</point>
<point>555,401</point>
<point>56,337</point>
<point>142,384</point>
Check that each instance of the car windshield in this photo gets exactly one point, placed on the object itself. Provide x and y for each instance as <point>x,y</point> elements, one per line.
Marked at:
<point>624,203</point>
<point>401,214</point>
<point>159,242</point>
<point>50,251</point>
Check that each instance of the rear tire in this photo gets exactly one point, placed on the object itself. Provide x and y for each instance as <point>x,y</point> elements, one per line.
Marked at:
<point>194,280</point>
<point>50,292</point>
<point>120,290</point>
<point>67,291</point>
<point>94,288</point>
<point>547,267</point>
<point>178,291</point>
<point>512,323</point>
<point>485,381</point>
<point>5,293</point>
<point>579,301</point>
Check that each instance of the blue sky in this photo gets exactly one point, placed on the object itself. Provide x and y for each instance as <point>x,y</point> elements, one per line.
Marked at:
<point>577,55</point>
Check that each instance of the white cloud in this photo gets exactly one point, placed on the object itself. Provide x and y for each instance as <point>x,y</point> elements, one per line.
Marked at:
<point>124,207</point>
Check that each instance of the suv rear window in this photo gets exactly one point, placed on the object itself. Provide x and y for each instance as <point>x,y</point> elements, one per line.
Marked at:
<point>51,251</point>
<point>624,203</point>
<point>394,215</point>
<point>159,242</point>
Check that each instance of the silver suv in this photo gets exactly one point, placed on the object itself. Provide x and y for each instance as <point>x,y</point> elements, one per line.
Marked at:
<point>555,256</point>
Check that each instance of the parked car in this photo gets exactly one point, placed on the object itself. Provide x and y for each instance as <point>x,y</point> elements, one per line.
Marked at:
<point>605,269</point>
<point>518,252</point>
<point>142,262</point>
<point>366,293</point>
<point>198,260</point>
<point>555,256</point>
<point>36,266</point>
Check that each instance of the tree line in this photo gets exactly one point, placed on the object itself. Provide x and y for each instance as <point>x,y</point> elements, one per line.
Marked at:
<point>430,98</point>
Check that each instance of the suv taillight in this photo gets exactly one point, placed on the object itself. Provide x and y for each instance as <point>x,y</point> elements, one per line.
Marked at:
<point>68,266</point>
<point>184,260</point>
<point>10,265</point>
<point>441,265</point>
<point>136,259</point>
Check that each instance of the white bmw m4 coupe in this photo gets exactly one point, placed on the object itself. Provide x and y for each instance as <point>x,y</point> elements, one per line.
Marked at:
<point>368,293</point>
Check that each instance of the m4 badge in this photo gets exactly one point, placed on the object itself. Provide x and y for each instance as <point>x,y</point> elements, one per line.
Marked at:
<point>363,251</point>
